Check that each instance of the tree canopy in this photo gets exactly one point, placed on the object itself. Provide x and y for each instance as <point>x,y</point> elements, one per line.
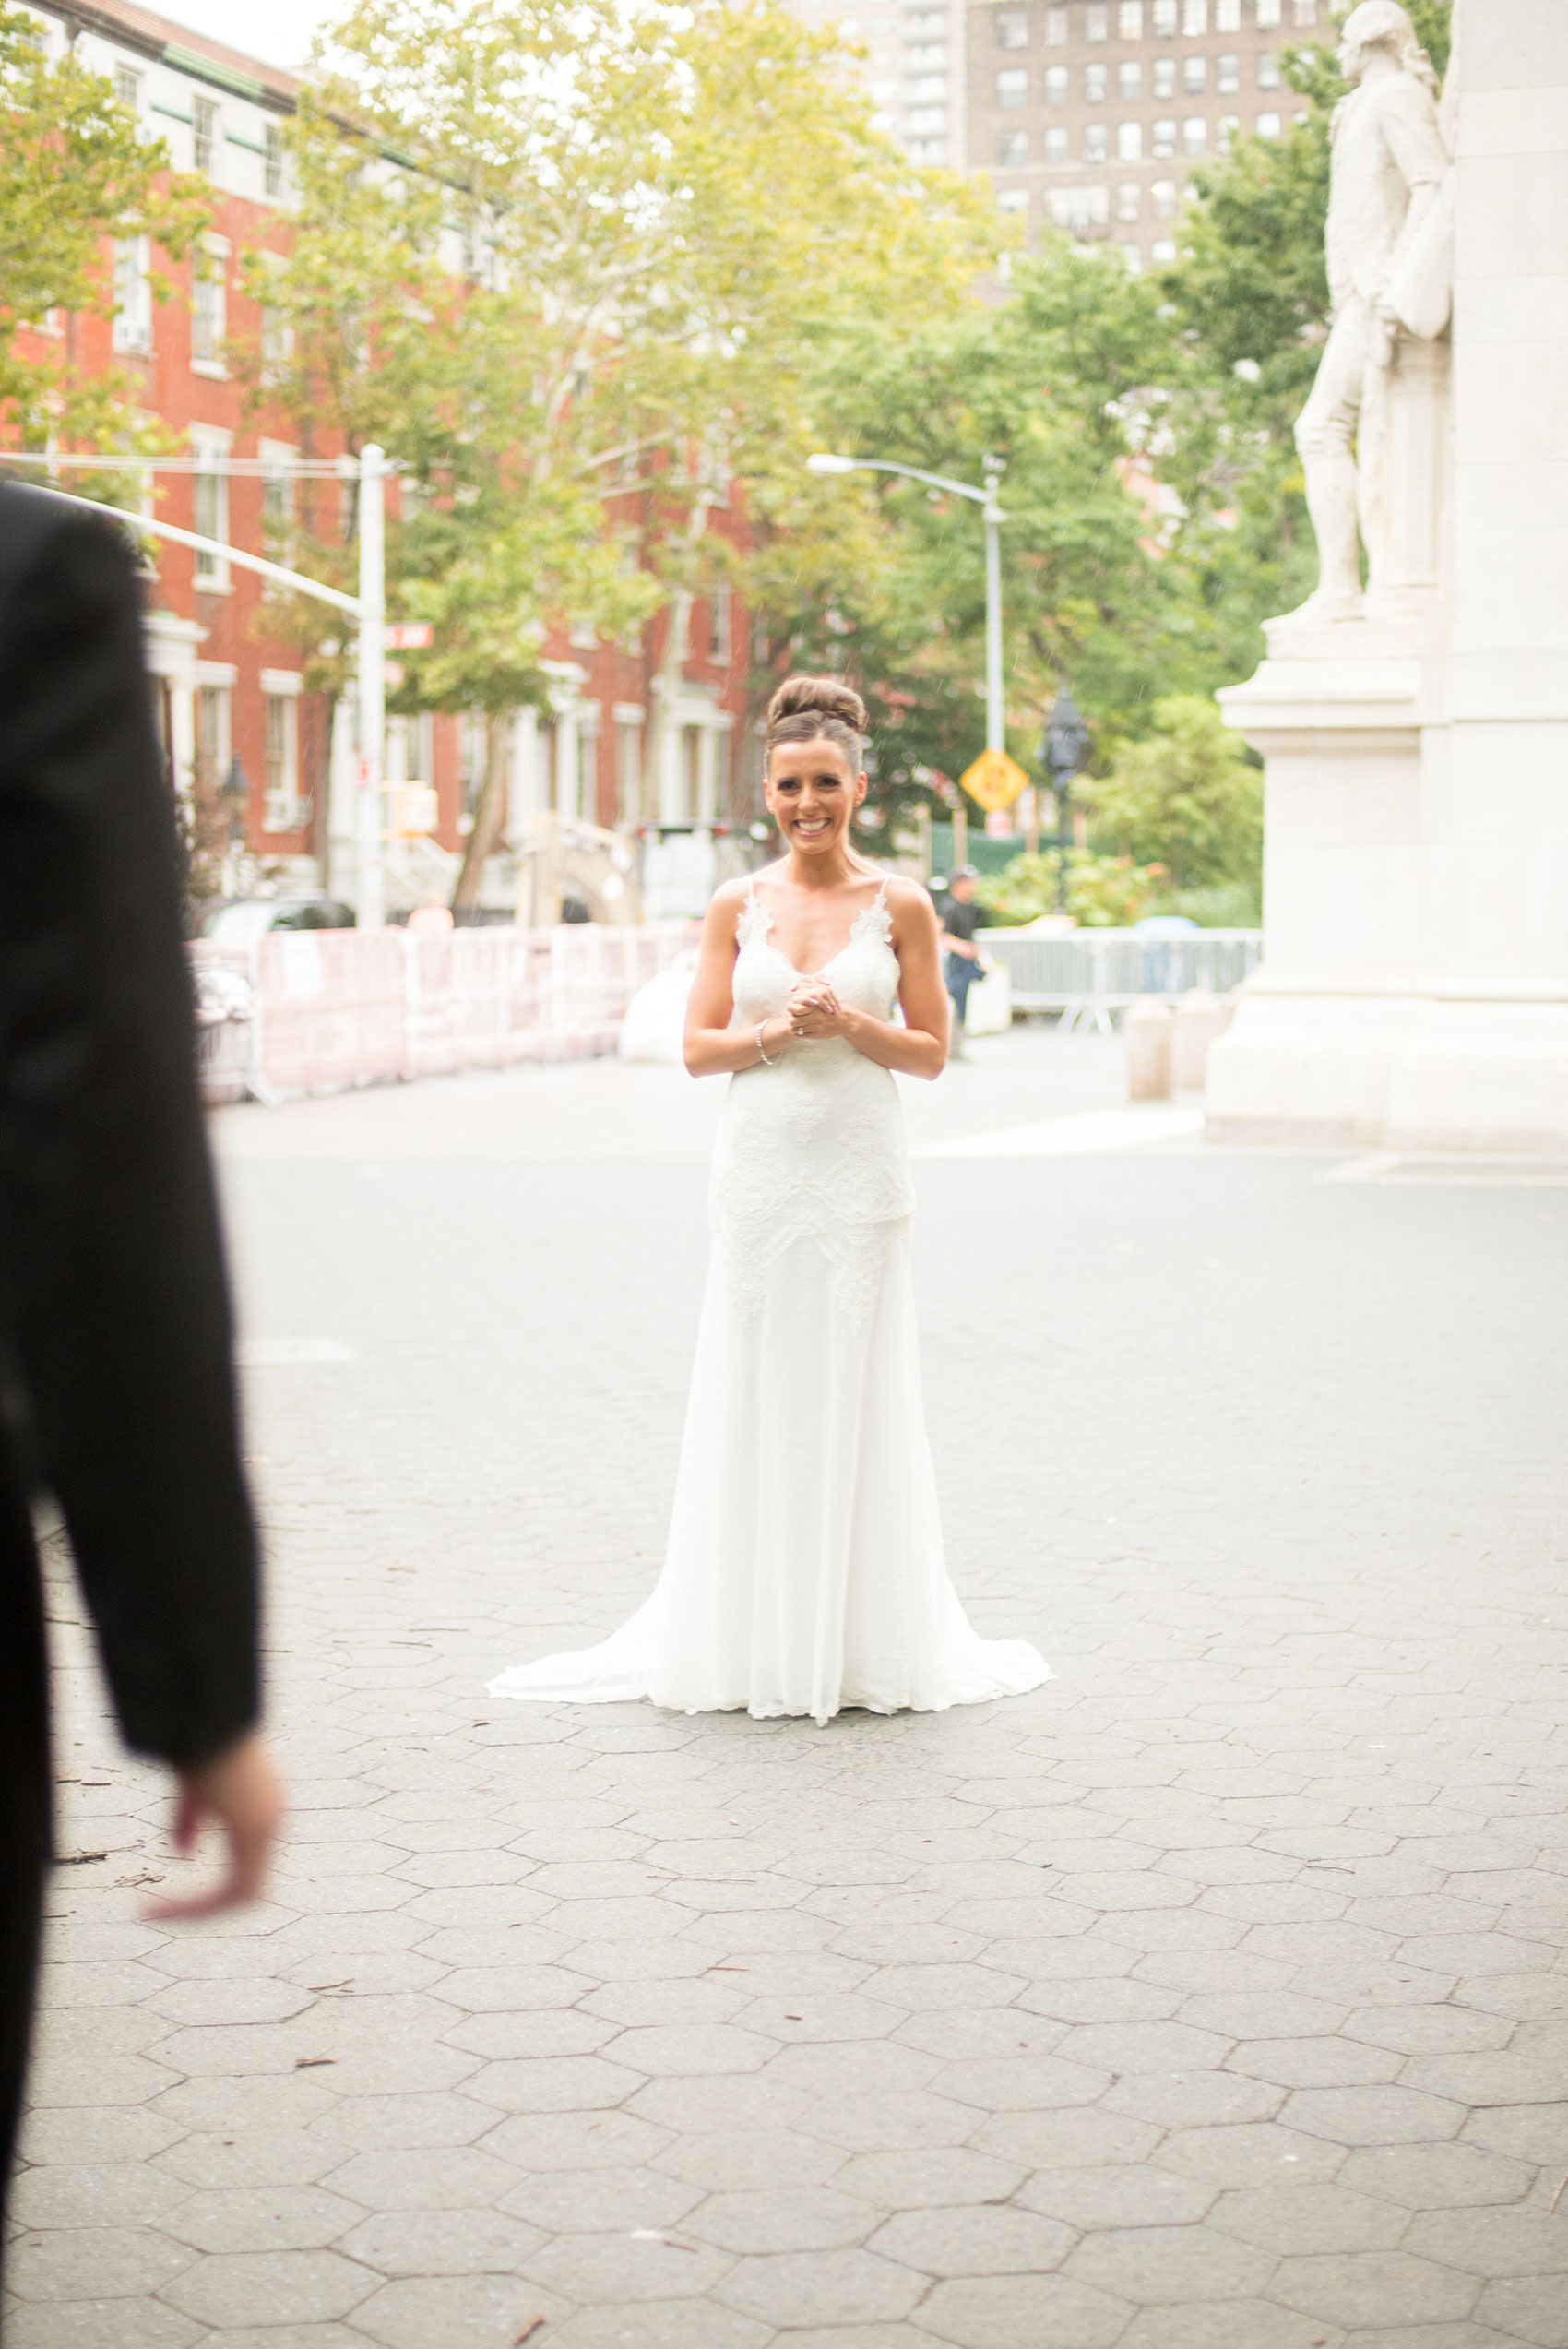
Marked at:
<point>75,170</point>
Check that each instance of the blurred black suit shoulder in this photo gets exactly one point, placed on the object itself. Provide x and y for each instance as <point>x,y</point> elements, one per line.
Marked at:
<point>114,1325</point>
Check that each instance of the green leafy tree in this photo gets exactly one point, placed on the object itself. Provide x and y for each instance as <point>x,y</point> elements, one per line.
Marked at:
<point>75,175</point>
<point>1098,892</point>
<point>1051,382</point>
<point>1188,796</point>
<point>572,265</point>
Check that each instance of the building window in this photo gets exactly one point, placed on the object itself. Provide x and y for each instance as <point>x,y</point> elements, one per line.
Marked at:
<point>1227,74</point>
<point>1012,28</point>
<point>1165,77</point>
<point>1133,257</point>
<point>1012,149</point>
<point>209,508</point>
<point>1014,199</point>
<point>1165,13</point>
<point>1130,81</point>
<point>470,766</point>
<point>204,132</point>
<point>1268,69</point>
<point>1012,87</point>
<point>720,634</point>
<point>1268,14</point>
<point>1194,19</point>
<point>1194,75</point>
<point>1163,194</point>
<point>927,118</point>
<point>1306,12</point>
<point>1268,126</point>
<point>1163,253</point>
<point>281,811</point>
<point>1056,27</point>
<point>1078,207</point>
<point>133,296</point>
<point>1130,19</point>
<point>209,305</point>
<point>272,159</point>
<point>629,768</point>
<point>1094,84</point>
<point>277,483</point>
<point>1056,85</point>
<point>1128,144</point>
<point>1094,142</point>
<point>1097,21</point>
<point>1056,144</point>
<point>212,736</point>
<point>1227,16</point>
<point>1127,200</point>
<point>1163,142</point>
<point>921,55</point>
<point>127,89</point>
<point>1225,132</point>
<point>1194,135</point>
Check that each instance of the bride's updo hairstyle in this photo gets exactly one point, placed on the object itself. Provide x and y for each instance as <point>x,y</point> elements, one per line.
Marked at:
<point>819,710</point>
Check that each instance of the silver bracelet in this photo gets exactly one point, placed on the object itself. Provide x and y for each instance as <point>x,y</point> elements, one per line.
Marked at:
<point>760,1054</point>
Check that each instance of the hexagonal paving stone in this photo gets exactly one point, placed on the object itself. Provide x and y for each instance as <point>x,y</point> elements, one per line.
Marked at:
<point>261,2218</point>
<point>1373,2288</point>
<point>795,2288</point>
<point>286,2288</point>
<point>1144,2263</point>
<point>784,2217</point>
<point>93,2263</point>
<point>443,2241</point>
<point>1021,2312</point>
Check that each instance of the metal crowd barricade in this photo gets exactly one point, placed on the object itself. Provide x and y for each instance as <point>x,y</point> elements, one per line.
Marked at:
<point>1089,975</point>
<point>333,1009</point>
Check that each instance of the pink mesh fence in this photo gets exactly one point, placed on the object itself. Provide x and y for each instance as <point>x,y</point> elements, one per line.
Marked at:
<point>330,1009</point>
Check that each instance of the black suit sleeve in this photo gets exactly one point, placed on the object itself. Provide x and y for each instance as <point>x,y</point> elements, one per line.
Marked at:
<point>113,1308</point>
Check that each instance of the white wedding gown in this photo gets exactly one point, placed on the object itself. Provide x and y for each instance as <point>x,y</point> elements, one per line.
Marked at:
<point>804,1570</point>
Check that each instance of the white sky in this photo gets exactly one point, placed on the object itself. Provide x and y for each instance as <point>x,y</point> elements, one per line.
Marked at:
<point>278,31</point>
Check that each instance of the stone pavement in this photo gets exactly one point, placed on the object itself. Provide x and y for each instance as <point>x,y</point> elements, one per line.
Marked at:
<point>1214,1997</point>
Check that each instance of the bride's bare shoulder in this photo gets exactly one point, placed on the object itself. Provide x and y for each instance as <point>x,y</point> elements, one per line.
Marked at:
<point>910,906</point>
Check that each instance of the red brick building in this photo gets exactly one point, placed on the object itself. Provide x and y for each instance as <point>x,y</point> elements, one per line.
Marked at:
<point>234,713</point>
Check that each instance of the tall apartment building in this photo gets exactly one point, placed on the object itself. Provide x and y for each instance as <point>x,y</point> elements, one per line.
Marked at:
<point>913,69</point>
<point>1089,115</point>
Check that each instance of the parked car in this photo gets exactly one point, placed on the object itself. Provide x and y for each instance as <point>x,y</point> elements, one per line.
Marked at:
<point>244,919</point>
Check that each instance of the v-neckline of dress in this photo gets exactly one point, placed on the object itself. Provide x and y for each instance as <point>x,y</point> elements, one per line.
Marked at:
<point>865,913</point>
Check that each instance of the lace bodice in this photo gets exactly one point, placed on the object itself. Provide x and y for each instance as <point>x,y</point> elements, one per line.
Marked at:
<point>813,1148</point>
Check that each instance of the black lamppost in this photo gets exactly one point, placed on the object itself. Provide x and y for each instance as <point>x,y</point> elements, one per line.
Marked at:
<point>1066,739</point>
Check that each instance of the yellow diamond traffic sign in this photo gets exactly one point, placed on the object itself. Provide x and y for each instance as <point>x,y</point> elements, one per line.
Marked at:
<point>995,781</point>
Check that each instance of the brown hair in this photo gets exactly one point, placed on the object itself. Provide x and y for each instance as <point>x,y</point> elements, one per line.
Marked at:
<point>819,708</point>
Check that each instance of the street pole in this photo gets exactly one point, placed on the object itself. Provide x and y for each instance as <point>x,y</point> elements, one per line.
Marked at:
<point>996,712</point>
<point>371,670</point>
<point>995,715</point>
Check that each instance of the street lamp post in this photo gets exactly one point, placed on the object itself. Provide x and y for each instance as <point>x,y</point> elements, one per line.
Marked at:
<point>1066,739</point>
<point>992,516</point>
<point>371,680</point>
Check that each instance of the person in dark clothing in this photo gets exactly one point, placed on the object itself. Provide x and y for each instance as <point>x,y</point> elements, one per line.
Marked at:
<point>114,1332</point>
<point>962,960</point>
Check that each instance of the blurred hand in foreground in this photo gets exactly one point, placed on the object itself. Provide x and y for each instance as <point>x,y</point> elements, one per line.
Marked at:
<point>241,1791</point>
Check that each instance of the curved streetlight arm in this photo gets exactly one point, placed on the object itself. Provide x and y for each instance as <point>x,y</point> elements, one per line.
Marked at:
<point>234,555</point>
<point>986,496</point>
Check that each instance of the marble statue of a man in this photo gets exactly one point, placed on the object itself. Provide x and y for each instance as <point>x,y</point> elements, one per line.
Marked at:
<point>1387,164</point>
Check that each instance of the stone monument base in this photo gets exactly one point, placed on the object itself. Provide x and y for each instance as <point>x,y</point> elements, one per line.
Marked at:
<point>1396,1072</point>
<point>1413,867</point>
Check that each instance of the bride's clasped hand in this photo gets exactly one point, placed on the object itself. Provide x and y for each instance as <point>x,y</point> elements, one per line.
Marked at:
<point>804,1570</point>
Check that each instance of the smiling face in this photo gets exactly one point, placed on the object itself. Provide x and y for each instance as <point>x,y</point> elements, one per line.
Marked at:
<point>812,795</point>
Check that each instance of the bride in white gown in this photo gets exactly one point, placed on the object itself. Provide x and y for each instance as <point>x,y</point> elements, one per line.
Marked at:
<point>804,1570</point>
